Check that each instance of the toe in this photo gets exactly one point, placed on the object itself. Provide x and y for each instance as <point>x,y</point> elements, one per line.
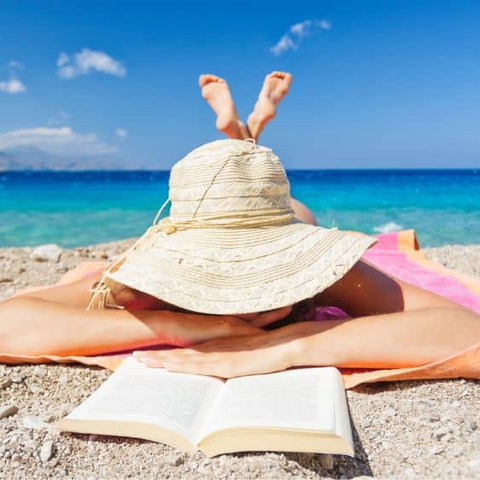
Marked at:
<point>202,80</point>
<point>208,78</point>
<point>285,76</point>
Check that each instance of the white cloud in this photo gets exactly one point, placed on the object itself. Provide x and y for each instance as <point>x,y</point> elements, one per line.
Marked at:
<point>62,59</point>
<point>301,29</point>
<point>284,44</point>
<point>67,72</point>
<point>60,141</point>
<point>59,118</point>
<point>14,65</point>
<point>324,24</point>
<point>12,86</point>
<point>296,33</point>
<point>121,133</point>
<point>88,61</point>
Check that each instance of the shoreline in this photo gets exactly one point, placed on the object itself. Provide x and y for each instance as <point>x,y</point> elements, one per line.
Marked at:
<point>413,429</point>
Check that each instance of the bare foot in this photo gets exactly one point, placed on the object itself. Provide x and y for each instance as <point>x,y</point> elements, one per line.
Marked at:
<point>275,87</point>
<point>217,94</point>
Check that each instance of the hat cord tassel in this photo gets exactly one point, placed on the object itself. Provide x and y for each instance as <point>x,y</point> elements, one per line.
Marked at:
<point>101,291</point>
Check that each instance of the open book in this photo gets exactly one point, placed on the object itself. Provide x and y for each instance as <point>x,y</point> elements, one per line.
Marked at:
<point>302,410</point>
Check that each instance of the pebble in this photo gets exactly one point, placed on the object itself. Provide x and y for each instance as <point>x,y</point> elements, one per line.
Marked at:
<point>174,460</point>
<point>436,450</point>
<point>6,279</point>
<point>442,431</point>
<point>46,452</point>
<point>38,370</point>
<point>389,412</point>
<point>33,422</point>
<point>366,422</point>
<point>474,464</point>
<point>46,253</point>
<point>18,377</point>
<point>434,417</point>
<point>34,388</point>
<point>8,411</point>
<point>9,292</point>
<point>327,462</point>
<point>63,410</point>
<point>457,451</point>
<point>472,425</point>
<point>4,383</point>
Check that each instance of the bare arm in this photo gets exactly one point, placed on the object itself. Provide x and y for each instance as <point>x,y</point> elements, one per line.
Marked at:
<point>54,320</point>
<point>394,340</point>
<point>36,326</point>
<point>381,341</point>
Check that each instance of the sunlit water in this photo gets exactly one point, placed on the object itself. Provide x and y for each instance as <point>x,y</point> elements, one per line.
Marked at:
<point>82,208</point>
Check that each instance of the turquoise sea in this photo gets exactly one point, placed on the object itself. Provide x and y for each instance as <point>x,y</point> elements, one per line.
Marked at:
<point>82,208</point>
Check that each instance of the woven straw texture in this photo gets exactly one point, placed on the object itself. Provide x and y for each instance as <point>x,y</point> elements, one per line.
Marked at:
<point>231,244</point>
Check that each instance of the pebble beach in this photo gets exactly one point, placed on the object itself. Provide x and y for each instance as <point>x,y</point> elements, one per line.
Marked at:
<point>402,430</point>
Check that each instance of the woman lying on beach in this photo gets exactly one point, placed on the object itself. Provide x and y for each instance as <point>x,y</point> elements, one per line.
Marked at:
<point>231,209</point>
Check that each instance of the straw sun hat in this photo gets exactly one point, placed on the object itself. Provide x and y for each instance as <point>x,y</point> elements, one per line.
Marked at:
<point>231,244</point>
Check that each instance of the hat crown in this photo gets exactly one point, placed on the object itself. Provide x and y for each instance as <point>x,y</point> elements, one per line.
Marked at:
<point>229,179</point>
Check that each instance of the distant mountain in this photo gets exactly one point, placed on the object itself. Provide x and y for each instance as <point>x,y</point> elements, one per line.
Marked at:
<point>32,158</point>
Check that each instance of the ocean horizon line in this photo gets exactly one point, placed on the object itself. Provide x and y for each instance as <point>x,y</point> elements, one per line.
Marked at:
<point>346,169</point>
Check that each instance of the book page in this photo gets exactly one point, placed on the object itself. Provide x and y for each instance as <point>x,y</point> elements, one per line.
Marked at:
<point>342,416</point>
<point>294,399</point>
<point>177,401</point>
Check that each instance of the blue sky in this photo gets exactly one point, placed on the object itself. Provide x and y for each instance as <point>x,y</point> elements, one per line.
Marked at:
<point>378,84</point>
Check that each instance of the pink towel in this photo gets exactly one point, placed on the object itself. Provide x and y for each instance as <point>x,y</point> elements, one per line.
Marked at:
<point>399,255</point>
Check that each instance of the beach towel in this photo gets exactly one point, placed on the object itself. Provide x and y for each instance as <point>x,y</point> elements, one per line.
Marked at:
<point>395,253</point>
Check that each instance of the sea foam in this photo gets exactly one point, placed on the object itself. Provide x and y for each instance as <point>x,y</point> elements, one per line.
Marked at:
<point>388,228</point>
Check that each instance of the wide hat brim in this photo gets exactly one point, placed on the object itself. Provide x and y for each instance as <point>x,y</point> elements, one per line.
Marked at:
<point>239,270</point>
